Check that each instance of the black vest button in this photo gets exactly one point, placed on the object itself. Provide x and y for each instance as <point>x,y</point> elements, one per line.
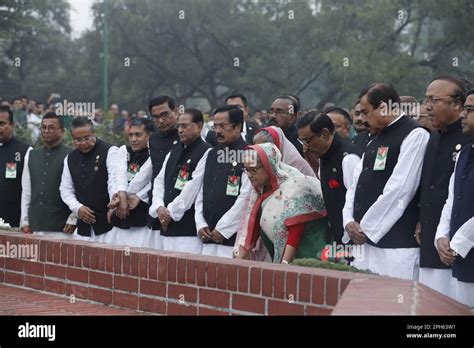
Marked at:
<point>427,221</point>
<point>463,177</point>
<point>366,169</point>
<point>455,215</point>
<point>432,187</point>
<point>428,205</point>
<point>459,197</point>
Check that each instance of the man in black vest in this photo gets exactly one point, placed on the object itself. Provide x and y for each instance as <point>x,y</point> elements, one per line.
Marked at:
<point>12,160</point>
<point>381,210</point>
<point>87,182</point>
<point>132,230</point>
<point>220,200</point>
<point>338,159</point>
<point>283,113</point>
<point>42,209</point>
<point>249,128</point>
<point>177,185</point>
<point>455,234</point>
<point>445,97</point>
<point>164,113</point>
<point>342,121</point>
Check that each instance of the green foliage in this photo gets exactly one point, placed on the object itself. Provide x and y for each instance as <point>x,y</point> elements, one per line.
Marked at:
<point>315,263</point>
<point>322,50</point>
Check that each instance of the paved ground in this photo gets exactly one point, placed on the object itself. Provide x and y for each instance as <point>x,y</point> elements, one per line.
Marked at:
<point>16,301</point>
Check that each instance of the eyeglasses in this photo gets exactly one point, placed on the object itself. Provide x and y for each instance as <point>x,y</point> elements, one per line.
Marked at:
<point>466,109</point>
<point>251,171</point>
<point>163,115</point>
<point>307,140</point>
<point>435,100</point>
<point>184,125</point>
<point>83,140</point>
<point>279,112</point>
<point>48,129</point>
<point>224,126</point>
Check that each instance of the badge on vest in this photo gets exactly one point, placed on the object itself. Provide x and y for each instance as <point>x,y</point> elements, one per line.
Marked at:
<point>381,158</point>
<point>10,172</point>
<point>233,185</point>
<point>183,178</point>
<point>132,170</point>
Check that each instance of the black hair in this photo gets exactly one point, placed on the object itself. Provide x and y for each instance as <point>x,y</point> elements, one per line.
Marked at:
<point>380,92</point>
<point>196,115</point>
<point>161,100</point>
<point>52,115</point>
<point>340,111</point>
<point>316,121</point>
<point>468,93</point>
<point>139,122</point>
<point>236,116</point>
<point>459,90</point>
<point>6,108</point>
<point>81,121</point>
<point>295,101</point>
<point>237,95</point>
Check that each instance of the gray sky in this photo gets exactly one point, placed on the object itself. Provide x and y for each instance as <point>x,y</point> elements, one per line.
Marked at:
<point>81,17</point>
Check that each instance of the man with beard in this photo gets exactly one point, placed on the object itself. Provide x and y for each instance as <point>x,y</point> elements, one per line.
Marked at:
<point>445,97</point>
<point>455,234</point>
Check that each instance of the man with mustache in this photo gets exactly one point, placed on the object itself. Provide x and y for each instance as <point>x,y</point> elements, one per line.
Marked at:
<point>445,97</point>
<point>12,159</point>
<point>283,114</point>
<point>341,120</point>
<point>381,210</point>
<point>176,187</point>
<point>220,200</point>
<point>249,128</point>
<point>455,234</point>
<point>363,135</point>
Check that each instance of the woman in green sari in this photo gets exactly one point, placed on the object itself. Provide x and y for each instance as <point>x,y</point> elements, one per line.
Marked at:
<point>286,209</point>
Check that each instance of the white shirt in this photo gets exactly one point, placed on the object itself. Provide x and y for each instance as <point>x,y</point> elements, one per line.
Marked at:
<point>349,164</point>
<point>229,223</point>
<point>398,192</point>
<point>26,195</point>
<point>66,188</point>
<point>463,240</point>
<point>186,198</point>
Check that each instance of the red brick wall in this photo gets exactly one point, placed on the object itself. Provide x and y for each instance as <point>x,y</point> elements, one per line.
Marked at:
<point>174,283</point>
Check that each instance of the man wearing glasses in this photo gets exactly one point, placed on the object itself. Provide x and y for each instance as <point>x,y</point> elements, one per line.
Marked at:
<point>164,114</point>
<point>177,185</point>
<point>249,128</point>
<point>283,114</point>
<point>454,238</point>
<point>445,97</point>
<point>12,160</point>
<point>338,159</point>
<point>42,209</point>
<point>87,182</point>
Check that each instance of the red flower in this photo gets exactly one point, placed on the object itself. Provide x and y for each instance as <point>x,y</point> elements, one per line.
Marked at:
<point>333,184</point>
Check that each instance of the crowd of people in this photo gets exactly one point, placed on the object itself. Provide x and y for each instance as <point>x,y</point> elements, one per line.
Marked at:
<point>392,176</point>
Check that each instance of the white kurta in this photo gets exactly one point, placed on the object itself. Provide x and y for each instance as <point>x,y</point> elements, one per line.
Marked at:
<point>228,223</point>
<point>398,192</point>
<point>140,185</point>
<point>68,195</point>
<point>134,236</point>
<point>462,242</point>
<point>179,206</point>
